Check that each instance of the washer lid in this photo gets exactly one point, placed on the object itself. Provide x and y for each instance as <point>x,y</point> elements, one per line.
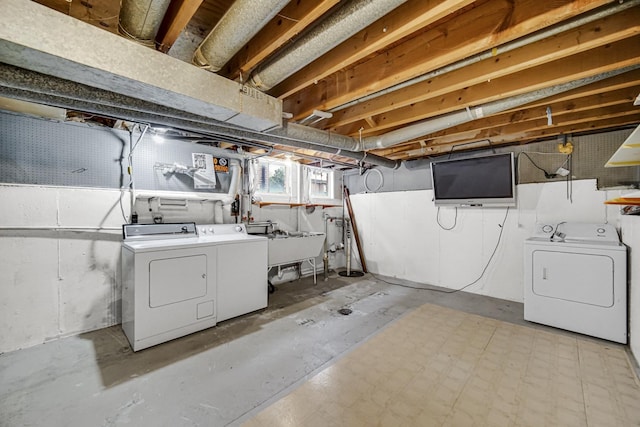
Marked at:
<point>177,230</point>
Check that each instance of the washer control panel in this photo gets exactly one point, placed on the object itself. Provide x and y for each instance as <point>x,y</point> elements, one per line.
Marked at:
<point>575,231</point>
<point>218,229</point>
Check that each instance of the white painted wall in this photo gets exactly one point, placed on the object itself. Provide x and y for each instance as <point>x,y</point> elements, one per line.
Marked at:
<point>631,237</point>
<point>401,237</point>
<point>57,283</point>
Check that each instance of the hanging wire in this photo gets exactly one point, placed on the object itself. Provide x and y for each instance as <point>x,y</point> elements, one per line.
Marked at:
<point>484,270</point>
<point>455,220</point>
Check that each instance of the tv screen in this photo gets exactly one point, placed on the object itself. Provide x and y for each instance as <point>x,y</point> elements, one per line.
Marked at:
<point>476,181</point>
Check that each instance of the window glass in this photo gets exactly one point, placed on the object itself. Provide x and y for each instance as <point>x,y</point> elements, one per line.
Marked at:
<point>272,177</point>
<point>319,183</point>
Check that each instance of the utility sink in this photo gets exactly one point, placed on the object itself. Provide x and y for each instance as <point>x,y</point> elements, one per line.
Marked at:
<point>287,248</point>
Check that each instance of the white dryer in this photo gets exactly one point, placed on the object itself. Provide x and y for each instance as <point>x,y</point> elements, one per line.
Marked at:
<point>168,283</point>
<point>575,278</point>
<point>178,278</point>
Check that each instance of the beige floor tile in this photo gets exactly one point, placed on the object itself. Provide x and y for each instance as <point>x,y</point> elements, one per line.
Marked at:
<point>438,366</point>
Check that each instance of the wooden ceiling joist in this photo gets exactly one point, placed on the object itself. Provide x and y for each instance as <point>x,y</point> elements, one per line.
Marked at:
<point>401,22</point>
<point>175,20</point>
<point>587,37</point>
<point>291,21</point>
<point>590,63</point>
<point>488,25</point>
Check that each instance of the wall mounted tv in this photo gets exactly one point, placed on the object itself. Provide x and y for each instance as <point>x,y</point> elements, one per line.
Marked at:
<point>487,181</point>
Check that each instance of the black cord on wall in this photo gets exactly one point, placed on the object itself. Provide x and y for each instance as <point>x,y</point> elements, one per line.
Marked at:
<point>451,291</point>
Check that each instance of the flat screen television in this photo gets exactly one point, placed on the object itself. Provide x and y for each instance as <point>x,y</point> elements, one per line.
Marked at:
<point>487,181</point>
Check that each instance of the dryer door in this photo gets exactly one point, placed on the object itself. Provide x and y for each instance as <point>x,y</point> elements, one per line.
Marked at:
<point>578,277</point>
<point>178,279</point>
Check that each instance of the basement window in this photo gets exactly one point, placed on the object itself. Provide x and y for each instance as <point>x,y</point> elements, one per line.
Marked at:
<point>320,182</point>
<point>273,179</point>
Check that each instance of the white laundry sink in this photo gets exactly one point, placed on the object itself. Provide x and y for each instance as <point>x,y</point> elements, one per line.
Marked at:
<point>294,246</point>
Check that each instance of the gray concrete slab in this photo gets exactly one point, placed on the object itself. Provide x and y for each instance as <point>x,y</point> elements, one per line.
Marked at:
<point>219,376</point>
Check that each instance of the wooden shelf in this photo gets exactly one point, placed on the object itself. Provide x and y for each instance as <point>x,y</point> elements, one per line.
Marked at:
<point>296,205</point>
<point>291,205</point>
<point>622,201</point>
<point>322,205</point>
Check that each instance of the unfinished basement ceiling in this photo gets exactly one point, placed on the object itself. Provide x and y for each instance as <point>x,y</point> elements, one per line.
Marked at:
<point>383,66</point>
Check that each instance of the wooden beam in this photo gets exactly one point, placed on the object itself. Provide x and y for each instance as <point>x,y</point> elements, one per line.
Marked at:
<point>586,37</point>
<point>590,63</point>
<point>588,126</point>
<point>622,98</point>
<point>513,130</point>
<point>488,25</point>
<point>291,20</point>
<point>478,129</point>
<point>399,23</point>
<point>617,83</point>
<point>59,5</point>
<point>100,13</point>
<point>175,20</point>
<point>370,121</point>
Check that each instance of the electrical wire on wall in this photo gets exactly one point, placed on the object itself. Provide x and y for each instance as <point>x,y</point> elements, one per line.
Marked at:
<point>131,185</point>
<point>451,291</point>
<point>561,171</point>
<point>455,220</point>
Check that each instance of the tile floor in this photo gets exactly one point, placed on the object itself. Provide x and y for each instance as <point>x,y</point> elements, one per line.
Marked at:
<point>442,367</point>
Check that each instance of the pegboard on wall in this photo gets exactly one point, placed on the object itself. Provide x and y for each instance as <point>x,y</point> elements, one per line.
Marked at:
<point>590,153</point>
<point>45,152</point>
<point>36,151</point>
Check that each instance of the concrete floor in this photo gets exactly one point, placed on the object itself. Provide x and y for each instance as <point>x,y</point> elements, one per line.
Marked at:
<point>221,376</point>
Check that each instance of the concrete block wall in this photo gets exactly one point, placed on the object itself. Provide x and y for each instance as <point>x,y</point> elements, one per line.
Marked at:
<point>60,282</point>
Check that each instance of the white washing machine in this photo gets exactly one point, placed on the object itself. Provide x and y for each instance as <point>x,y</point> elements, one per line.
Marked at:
<point>575,278</point>
<point>242,282</point>
<point>176,282</point>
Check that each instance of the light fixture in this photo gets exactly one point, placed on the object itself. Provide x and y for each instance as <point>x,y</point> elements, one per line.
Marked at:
<point>158,134</point>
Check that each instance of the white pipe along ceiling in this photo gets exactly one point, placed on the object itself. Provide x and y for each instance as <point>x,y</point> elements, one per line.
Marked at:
<point>140,19</point>
<point>81,54</point>
<point>352,17</point>
<point>241,22</point>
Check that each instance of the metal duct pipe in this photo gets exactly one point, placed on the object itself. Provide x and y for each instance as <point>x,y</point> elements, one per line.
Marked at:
<point>31,81</point>
<point>447,121</point>
<point>207,128</point>
<point>238,25</point>
<point>317,136</point>
<point>600,13</point>
<point>141,19</point>
<point>338,27</point>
